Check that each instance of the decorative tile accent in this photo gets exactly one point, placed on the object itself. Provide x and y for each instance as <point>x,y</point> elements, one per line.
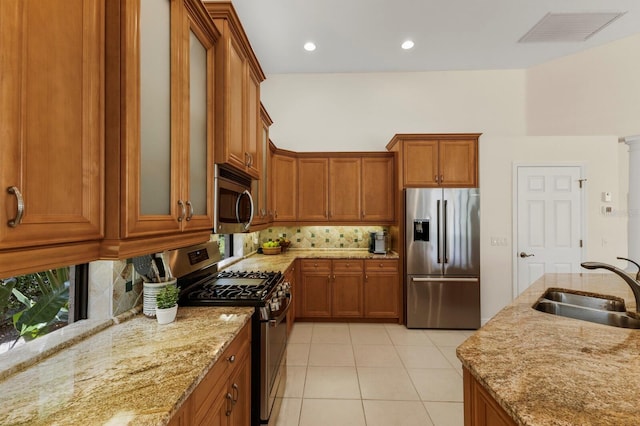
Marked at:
<point>356,237</point>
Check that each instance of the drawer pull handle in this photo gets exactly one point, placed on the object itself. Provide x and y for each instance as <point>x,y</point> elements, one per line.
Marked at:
<point>16,220</point>
<point>231,359</point>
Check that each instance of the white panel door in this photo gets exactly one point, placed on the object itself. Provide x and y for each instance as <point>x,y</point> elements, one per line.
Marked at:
<point>549,222</point>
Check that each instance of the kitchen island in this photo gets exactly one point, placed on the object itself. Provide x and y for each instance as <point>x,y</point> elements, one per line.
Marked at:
<point>136,372</point>
<point>543,369</point>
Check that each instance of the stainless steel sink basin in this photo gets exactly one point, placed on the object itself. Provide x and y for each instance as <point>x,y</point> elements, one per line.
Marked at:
<point>607,310</point>
<point>585,300</point>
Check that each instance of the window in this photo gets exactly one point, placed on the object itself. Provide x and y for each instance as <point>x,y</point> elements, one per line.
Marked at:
<point>33,305</point>
<point>226,245</point>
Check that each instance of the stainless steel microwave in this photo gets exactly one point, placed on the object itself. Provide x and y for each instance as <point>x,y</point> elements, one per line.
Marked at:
<point>233,210</point>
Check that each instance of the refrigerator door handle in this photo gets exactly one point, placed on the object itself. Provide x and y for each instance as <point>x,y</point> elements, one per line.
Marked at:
<point>438,231</point>
<point>443,279</point>
<point>444,231</point>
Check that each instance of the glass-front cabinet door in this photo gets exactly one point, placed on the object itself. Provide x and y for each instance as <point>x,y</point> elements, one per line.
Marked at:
<point>170,171</point>
<point>198,187</point>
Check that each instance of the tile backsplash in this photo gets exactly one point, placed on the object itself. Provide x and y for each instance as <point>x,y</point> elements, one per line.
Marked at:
<point>323,237</point>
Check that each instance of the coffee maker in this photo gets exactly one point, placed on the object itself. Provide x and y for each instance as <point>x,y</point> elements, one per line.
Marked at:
<point>379,242</point>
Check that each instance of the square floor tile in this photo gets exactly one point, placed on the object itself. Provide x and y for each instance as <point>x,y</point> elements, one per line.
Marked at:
<point>437,384</point>
<point>324,412</point>
<point>449,353</point>
<point>296,377</point>
<point>369,334</point>
<point>447,337</point>
<point>332,382</point>
<point>331,355</point>
<point>391,384</point>
<point>301,332</point>
<point>400,335</point>
<point>422,357</point>
<point>396,413</point>
<point>331,333</point>
<point>298,353</point>
<point>376,356</point>
<point>446,413</point>
<point>289,412</point>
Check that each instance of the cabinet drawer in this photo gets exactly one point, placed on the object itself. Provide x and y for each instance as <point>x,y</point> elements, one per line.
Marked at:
<point>386,265</point>
<point>350,265</point>
<point>315,265</point>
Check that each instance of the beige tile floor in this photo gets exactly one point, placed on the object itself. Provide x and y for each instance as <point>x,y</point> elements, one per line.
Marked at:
<point>372,374</point>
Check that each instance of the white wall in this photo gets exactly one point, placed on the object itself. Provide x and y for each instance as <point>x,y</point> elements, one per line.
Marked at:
<point>601,157</point>
<point>361,112</point>
<point>595,92</point>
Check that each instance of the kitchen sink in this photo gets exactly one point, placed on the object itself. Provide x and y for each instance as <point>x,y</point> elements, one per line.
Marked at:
<point>607,310</point>
<point>586,300</point>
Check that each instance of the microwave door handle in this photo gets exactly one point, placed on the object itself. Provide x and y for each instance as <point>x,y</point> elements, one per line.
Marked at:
<point>248,194</point>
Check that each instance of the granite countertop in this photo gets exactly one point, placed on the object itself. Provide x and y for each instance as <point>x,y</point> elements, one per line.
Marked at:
<point>545,369</point>
<point>280,262</point>
<point>136,372</point>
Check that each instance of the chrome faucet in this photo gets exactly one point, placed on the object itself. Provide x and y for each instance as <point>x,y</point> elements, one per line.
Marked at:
<point>635,263</point>
<point>634,284</point>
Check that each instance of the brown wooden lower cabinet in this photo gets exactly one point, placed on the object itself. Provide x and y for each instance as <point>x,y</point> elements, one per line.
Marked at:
<point>348,288</point>
<point>224,395</point>
<point>381,289</point>
<point>480,409</point>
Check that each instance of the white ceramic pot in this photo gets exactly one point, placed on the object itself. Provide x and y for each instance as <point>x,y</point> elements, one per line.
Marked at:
<point>150,291</point>
<point>166,316</point>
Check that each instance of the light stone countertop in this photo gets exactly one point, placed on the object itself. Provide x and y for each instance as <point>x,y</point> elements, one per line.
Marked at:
<point>545,369</point>
<point>136,372</point>
<point>280,262</point>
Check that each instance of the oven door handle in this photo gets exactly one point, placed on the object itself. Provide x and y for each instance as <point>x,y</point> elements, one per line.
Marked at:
<point>276,321</point>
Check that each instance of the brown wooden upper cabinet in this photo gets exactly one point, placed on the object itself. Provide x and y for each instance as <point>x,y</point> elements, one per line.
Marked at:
<point>51,110</point>
<point>438,160</point>
<point>346,188</point>
<point>283,190</point>
<point>238,77</point>
<point>260,187</point>
<point>160,85</point>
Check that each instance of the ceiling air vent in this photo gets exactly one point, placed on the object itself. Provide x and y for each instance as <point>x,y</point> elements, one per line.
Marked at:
<point>568,27</point>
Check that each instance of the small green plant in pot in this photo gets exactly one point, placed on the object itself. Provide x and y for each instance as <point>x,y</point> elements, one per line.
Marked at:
<point>167,304</point>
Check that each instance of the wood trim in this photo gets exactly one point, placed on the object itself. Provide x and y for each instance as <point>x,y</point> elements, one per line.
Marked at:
<point>264,115</point>
<point>226,11</point>
<point>114,249</point>
<point>36,259</point>
<point>399,137</point>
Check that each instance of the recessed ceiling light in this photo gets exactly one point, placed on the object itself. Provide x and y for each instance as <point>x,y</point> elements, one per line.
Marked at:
<point>408,44</point>
<point>309,46</point>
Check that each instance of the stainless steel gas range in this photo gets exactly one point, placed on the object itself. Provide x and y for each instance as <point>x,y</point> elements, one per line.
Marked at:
<point>202,285</point>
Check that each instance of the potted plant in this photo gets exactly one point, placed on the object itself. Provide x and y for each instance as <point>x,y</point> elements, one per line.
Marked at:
<point>167,304</point>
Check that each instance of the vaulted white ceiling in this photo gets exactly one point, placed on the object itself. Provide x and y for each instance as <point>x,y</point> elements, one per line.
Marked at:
<point>365,35</point>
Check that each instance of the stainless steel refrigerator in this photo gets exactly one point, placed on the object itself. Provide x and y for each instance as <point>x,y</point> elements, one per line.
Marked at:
<point>442,257</point>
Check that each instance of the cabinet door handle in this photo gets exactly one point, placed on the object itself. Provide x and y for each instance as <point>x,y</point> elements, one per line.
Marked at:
<point>231,359</point>
<point>183,211</point>
<point>275,213</point>
<point>190,210</point>
<point>362,214</point>
<point>441,178</point>
<point>236,393</point>
<point>229,404</point>
<point>20,210</point>
<point>435,178</point>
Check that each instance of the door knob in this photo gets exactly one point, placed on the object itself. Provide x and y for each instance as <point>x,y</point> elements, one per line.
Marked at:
<point>523,254</point>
